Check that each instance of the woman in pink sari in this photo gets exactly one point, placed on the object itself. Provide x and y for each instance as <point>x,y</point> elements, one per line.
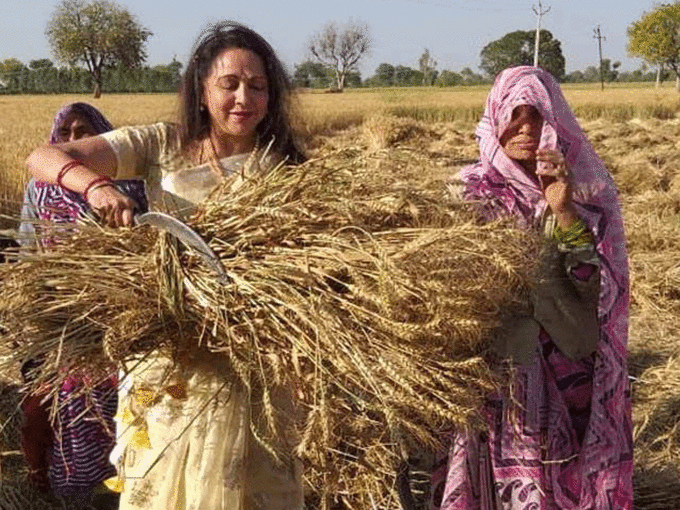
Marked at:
<point>562,437</point>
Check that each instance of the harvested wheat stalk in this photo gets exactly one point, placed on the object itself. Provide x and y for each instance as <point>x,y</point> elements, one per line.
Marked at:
<point>374,298</point>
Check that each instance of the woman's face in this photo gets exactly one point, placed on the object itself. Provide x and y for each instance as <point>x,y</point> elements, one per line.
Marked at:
<point>235,94</point>
<point>521,138</point>
<point>74,127</point>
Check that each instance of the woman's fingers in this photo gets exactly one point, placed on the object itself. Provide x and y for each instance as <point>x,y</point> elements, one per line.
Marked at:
<point>128,217</point>
<point>556,164</point>
<point>113,207</point>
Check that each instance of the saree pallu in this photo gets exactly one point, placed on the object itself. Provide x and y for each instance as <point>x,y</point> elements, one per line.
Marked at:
<point>184,442</point>
<point>509,466</point>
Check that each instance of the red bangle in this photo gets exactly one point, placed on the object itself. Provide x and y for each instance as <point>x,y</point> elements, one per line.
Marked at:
<point>93,185</point>
<point>68,166</point>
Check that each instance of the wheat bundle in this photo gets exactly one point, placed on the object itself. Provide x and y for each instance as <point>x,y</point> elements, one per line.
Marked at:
<point>371,294</point>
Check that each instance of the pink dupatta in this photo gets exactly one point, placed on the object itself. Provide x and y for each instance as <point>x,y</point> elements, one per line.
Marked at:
<point>540,464</point>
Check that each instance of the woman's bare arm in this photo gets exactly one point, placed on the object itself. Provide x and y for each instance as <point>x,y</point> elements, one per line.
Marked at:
<point>98,160</point>
<point>95,152</point>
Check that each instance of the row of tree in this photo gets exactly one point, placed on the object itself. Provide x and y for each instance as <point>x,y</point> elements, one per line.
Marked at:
<point>101,42</point>
<point>43,77</point>
<point>309,74</point>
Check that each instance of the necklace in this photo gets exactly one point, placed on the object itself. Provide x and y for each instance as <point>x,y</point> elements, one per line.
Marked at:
<point>217,168</point>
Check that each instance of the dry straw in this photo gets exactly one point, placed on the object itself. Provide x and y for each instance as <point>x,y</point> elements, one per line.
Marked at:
<point>371,294</point>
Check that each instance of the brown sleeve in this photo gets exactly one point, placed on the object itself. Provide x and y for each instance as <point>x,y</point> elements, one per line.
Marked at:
<point>565,303</point>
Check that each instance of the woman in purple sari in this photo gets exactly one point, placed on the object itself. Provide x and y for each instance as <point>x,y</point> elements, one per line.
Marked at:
<point>561,437</point>
<point>49,203</point>
<point>69,456</point>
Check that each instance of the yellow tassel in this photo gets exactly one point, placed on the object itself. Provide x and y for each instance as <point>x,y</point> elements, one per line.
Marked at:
<point>114,484</point>
<point>144,396</point>
<point>126,416</point>
<point>140,439</point>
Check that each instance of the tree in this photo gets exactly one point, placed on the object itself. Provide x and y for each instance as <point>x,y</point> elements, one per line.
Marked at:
<point>100,34</point>
<point>427,66</point>
<point>353,79</point>
<point>575,77</point>
<point>43,76</point>
<point>310,74</point>
<point>610,70</point>
<point>41,63</point>
<point>471,78</point>
<point>406,77</point>
<point>168,76</point>
<point>656,37</point>
<point>517,48</point>
<point>14,75</point>
<point>449,78</point>
<point>341,48</point>
<point>385,75</point>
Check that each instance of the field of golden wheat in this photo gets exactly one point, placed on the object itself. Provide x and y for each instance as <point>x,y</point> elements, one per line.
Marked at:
<point>636,130</point>
<point>26,120</point>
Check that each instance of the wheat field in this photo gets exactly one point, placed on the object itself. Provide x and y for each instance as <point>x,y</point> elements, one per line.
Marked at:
<point>26,120</point>
<point>635,129</point>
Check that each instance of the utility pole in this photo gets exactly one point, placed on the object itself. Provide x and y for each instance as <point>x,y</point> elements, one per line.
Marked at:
<point>598,35</point>
<point>539,14</point>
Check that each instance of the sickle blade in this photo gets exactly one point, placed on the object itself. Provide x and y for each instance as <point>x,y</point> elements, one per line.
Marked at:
<point>188,236</point>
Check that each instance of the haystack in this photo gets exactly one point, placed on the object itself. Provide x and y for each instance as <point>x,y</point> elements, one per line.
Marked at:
<point>352,279</point>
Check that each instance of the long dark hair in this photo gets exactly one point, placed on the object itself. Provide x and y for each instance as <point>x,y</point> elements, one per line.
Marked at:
<point>194,123</point>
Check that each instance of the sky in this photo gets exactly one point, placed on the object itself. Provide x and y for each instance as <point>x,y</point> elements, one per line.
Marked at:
<point>454,31</point>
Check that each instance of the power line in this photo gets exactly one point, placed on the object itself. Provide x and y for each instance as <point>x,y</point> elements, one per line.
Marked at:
<point>539,14</point>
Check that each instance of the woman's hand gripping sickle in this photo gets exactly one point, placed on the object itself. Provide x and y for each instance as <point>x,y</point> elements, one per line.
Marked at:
<point>114,209</point>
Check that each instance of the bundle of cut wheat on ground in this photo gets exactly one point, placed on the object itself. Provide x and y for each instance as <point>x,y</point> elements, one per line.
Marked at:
<point>372,295</point>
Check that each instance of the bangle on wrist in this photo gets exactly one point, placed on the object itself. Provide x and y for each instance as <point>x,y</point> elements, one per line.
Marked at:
<point>98,182</point>
<point>64,169</point>
<point>575,236</point>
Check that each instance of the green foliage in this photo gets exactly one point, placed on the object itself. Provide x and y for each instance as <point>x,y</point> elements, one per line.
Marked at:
<point>517,48</point>
<point>387,75</point>
<point>656,37</point>
<point>41,63</point>
<point>42,77</point>
<point>471,78</point>
<point>610,71</point>
<point>384,76</point>
<point>99,34</point>
<point>310,74</point>
<point>448,79</point>
<point>612,74</point>
<point>10,66</point>
<point>13,74</point>
<point>353,80</point>
<point>406,77</point>
<point>314,75</point>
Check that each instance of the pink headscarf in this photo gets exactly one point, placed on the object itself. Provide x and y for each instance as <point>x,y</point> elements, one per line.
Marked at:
<point>501,186</point>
